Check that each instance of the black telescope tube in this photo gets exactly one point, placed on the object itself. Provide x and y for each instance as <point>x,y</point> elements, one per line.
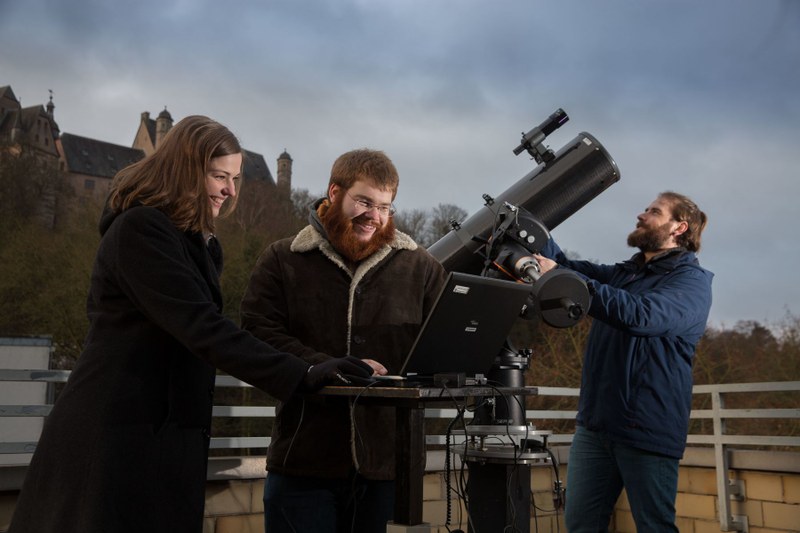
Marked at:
<point>551,193</point>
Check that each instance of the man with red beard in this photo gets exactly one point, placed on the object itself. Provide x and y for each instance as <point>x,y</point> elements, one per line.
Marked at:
<point>636,386</point>
<point>348,284</point>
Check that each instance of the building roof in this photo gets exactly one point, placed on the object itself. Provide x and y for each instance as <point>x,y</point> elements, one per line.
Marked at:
<point>96,158</point>
<point>29,115</point>
<point>10,116</point>
<point>150,125</point>
<point>30,126</point>
<point>255,167</point>
<point>5,91</point>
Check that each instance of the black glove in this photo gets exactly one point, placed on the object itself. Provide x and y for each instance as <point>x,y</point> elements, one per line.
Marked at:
<point>333,370</point>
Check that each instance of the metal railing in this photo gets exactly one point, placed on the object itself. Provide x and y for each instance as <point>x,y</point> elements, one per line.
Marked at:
<point>718,414</point>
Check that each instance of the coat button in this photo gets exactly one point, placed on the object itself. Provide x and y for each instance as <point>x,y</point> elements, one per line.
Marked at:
<point>359,339</point>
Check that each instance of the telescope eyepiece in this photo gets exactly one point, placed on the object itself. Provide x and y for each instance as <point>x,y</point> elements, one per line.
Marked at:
<point>554,121</point>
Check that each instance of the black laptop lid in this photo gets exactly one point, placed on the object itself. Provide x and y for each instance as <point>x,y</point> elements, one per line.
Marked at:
<point>467,326</point>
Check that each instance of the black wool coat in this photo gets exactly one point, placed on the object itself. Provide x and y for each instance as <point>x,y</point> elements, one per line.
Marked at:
<point>126,445</point>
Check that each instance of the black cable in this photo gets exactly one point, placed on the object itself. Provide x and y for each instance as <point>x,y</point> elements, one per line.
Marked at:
<point>511,526</point>
<point>461,491</point>
<point>535,516</point>
<point>447,467</point>
<point>525,440</point>
<point>516,460</point>
<point>355,435</point>
<point>559,494</point>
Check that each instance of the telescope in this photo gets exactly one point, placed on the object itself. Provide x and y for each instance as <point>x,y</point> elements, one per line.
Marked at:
<point>550,193</point>
<point>500,240</point>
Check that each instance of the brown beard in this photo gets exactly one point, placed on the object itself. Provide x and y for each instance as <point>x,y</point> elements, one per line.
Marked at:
<point>343,238</point>
<point>649,239</point>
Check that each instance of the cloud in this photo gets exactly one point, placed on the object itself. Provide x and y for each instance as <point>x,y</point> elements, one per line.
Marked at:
<point>700,97</point>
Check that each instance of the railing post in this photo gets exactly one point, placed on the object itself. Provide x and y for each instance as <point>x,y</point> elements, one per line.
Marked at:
<point>727,489</point>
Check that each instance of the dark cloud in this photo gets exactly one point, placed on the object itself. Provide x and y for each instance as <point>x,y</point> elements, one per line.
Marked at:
<point>700,97</point>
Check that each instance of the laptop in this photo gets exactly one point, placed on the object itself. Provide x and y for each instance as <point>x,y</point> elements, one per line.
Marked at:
<point>465,330</point>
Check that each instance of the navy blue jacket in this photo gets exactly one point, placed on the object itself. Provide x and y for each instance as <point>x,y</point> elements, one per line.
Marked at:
<point>636,382</point>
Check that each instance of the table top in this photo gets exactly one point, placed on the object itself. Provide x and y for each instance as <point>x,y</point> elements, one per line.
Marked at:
<point>426,392</point>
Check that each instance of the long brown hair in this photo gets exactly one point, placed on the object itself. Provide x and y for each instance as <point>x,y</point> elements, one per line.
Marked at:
<point>685,210</point>
<point>173,178</point>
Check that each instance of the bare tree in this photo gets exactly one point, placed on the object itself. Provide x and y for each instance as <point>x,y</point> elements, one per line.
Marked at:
<point>412,222</point>
<point>302,200</point>
<point>443,215</point>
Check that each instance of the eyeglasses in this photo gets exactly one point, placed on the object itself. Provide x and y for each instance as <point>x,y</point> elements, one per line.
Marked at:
<point>383,210</point>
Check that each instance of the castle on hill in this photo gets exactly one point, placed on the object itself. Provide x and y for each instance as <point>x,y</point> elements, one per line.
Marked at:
<point>88,164</point>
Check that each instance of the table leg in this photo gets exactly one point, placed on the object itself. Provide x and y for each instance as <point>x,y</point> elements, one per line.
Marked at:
<point>410,465</point>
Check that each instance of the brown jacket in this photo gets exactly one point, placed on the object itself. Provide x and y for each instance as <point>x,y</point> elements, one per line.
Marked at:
<point>303,299</point>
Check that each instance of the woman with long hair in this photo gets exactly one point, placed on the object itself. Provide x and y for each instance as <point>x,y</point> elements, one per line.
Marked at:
<point>125,447</point>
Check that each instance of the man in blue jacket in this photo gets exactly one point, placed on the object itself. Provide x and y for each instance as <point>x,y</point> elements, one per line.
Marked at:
<point>636,387</point>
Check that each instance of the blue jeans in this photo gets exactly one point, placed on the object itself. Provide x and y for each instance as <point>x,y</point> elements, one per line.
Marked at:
<point>294,504</point>
<point>598,469</point>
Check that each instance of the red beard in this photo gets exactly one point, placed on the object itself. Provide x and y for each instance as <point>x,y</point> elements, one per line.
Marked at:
<point>343,238</point>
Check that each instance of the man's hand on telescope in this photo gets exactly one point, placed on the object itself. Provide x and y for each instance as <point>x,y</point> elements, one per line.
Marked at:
<point>545,264</point>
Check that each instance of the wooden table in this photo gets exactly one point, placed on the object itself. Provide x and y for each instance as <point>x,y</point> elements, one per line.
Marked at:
<point>410,404</point>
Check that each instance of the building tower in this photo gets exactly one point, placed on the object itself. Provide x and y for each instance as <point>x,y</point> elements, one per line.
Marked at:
<point>163,125</point>
<point>51,114</point>
<point>285,171</point>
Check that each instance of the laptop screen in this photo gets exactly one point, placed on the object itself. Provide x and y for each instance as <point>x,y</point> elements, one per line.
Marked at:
<point>467,326</point>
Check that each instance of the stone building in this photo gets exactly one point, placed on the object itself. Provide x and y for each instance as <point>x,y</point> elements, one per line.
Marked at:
<point>89,165</point>
<point>151,132</point>
<point>285,172</point>
<point>28,138</point>
<point>33,127</point>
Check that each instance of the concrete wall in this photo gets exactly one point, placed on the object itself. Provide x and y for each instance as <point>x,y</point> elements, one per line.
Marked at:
<point>771,486</point>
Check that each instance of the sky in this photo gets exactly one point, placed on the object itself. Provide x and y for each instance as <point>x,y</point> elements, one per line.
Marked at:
<point>702,98</point>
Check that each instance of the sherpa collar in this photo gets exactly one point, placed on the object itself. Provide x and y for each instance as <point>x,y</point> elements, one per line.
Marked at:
<point>310,239</point>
